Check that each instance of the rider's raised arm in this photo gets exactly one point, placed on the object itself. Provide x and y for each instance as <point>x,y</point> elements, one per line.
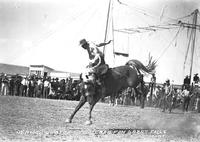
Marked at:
<point>103,44</point>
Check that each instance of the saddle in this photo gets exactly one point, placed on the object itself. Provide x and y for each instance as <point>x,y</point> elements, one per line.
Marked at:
<point>97,73</point>
<point>102,69</point>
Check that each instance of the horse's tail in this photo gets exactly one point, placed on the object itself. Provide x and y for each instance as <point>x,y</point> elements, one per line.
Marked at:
<point>150,68</point>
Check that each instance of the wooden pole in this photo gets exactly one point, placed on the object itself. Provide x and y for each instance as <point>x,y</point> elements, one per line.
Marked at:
<point>193,44</point>
<point>106,30</point>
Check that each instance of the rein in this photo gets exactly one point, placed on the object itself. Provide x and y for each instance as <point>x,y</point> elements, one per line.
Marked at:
<point>97,64</point>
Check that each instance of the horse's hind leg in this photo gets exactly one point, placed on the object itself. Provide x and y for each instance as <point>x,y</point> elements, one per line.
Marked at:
<point>81,103</point>
<point>112,100</point>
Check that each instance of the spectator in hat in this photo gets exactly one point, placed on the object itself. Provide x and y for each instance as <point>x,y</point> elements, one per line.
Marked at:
<point>46,88</point>
<point>196,78</point>
<point>186,81</point>
<point>167,98</point>
<point>4,84</point>
<point>23,87</point>
<point>186,98</point>
<point>152,86</point>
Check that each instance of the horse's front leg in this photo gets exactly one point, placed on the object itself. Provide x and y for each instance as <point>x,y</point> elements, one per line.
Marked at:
<point>92,101</point>
<point>81,103</point>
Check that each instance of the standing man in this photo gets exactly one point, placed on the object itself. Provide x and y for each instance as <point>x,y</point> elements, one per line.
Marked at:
<point>31,86</point>
<point>152,87</point>
<point>153,80</point>
<point>186,82</point>
<point>186,98</point>
<point>12,86</point>
<point>24,86</point>
<point>167,95</point>
<point>196,79</point>
<point>46,88</point>
<point>4,85</point>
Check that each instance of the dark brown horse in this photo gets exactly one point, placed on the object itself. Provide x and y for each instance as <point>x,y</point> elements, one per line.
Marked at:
<point>114,80</point>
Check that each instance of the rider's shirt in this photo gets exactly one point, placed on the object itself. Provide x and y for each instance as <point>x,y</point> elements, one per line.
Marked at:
<point>95,55</point>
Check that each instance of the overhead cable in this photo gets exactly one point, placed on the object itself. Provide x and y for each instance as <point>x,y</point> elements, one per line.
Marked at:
<point>169,44</point>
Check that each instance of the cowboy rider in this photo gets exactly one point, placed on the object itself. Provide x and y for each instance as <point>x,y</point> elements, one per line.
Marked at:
<point>97,62</point>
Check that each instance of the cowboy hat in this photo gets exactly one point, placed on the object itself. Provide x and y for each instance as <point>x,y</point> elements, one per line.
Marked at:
<point>82,42</point>
<point>167,80</point>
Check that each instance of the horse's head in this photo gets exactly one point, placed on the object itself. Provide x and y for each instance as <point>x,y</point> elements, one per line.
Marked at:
<point>87,76</point>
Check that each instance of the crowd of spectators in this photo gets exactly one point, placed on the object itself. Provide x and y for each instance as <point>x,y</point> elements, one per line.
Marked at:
<point>34,86</point>
<point>166,96</point>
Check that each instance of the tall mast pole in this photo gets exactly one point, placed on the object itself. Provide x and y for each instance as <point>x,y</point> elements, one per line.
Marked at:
<point>193,43</point>
<point>106,31</point>
<point>113,42</point>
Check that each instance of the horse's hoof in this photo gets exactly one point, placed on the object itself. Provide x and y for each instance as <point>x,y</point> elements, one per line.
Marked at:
<point>68,121</point>
<point>89,122</point>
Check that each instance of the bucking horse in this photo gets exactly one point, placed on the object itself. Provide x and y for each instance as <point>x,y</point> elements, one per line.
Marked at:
<point>114,80</point>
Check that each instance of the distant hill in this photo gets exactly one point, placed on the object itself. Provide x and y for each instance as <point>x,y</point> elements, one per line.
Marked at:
<point>13,69</point>
<point>23,70</point>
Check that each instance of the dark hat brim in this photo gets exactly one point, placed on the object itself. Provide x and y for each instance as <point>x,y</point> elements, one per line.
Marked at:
<point>82,42</point>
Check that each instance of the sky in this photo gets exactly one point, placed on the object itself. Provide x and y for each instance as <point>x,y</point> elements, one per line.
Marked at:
<point>47,32</point>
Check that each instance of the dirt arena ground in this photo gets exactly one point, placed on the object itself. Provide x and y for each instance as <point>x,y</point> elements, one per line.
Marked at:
<point>34,119</point>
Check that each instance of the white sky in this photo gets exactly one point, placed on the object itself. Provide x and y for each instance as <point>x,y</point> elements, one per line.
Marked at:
<point>48,32</point>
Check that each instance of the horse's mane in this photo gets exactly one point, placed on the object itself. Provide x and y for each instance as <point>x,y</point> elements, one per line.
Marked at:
<point>150,68</point>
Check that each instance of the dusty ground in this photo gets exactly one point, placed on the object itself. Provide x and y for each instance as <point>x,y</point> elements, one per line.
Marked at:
<point>33,119</point>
